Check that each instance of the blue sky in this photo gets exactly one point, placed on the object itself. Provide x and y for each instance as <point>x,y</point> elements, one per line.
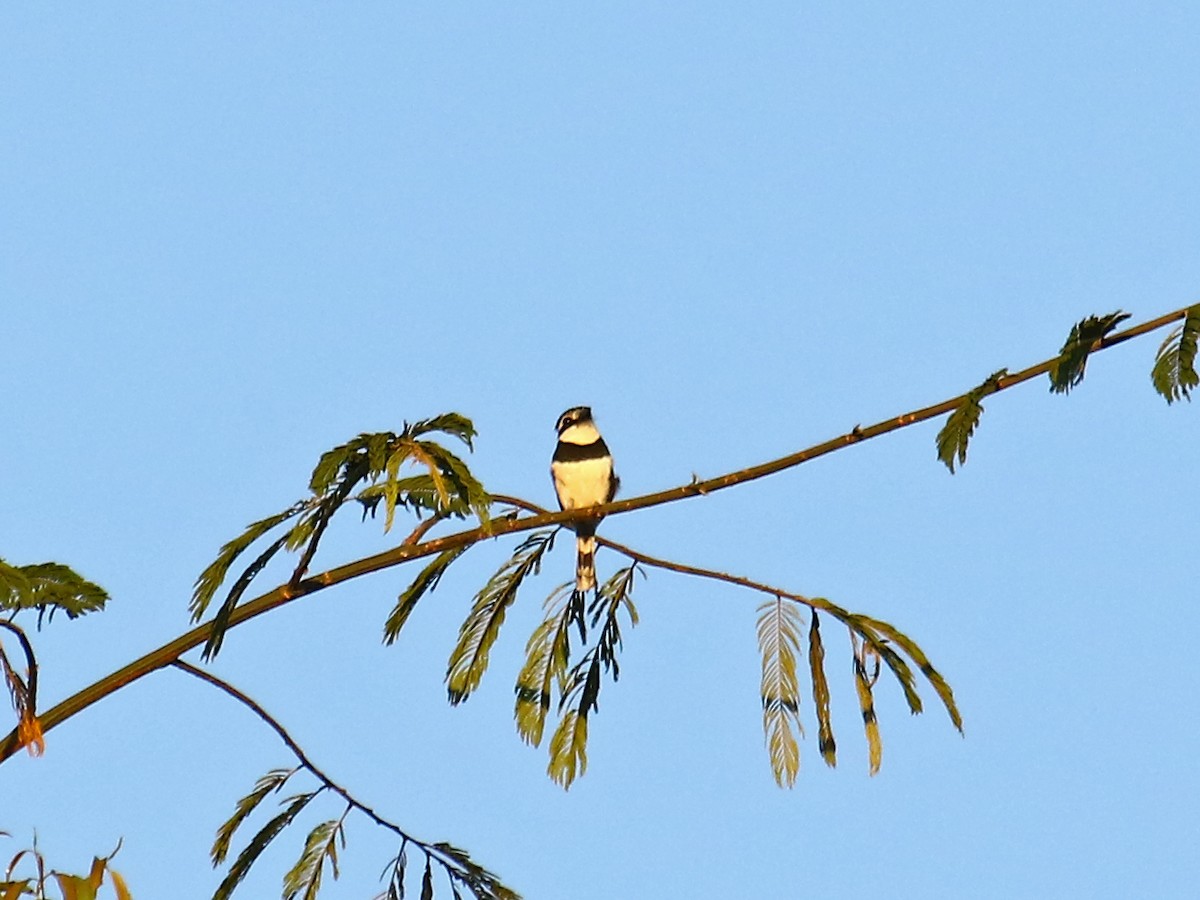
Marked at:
<point>235,235</point>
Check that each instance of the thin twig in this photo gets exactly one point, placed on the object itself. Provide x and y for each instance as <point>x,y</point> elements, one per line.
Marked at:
<point>292,745</point>
<point>31,666</point>
<point>498,527</point>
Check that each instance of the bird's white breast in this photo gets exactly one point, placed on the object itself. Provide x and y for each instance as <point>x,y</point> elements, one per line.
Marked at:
<point>583,482</point>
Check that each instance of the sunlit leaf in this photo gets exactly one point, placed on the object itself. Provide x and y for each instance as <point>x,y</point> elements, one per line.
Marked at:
<point>568,749</point>
<point>425,582</point>
<point>779,643</point>
<point>917,655</point>
<point>259,843</point>
<point>321,845</point>
<point>866,703</point>
<point>469,659</point>
<point>119,886</point>
<point>272,781</point>
<point>220,622</point>
<point>212,577</point>
<point>820,688</point>
<point>547,655</point>
<point>49,587</point>
<point>73,887</point>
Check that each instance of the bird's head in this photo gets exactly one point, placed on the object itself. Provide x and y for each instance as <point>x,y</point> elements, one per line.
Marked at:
<point>573,416</point>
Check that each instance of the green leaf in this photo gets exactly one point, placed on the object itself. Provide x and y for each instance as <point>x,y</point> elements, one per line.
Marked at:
<point>1174,374</point>
<point>270,831</point>
<point>425,581</point>
<point>212,577</point>
<point>272,781</point>
<point>1067,371</point>
<point>469,659</point>
<point>305,876</point>
<point>49,587</point>
<point>453,424</point>
<point>220,622</point>
<point>482,883</point>
<point>568,749</point>
<point>866,703</point>
<point>820,688</point>
<point>547,656</point>
<point>960,425</point>
<point>917,655</point>
<point>779,643</point>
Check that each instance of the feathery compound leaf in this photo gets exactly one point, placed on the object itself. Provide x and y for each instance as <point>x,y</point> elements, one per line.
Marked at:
<point>820,688</point>
<point>49,587</point>
<point>1068,370</point>
<point>960,425</point>
<point>469,659</point>
<point>779,641</point>
<point>483,884</point>
<point>212,577</point>
<point>305,877</point>
<point>862,684</point>
<point>1174,374</point>
<point>568,749</point>
<point>272,781</point>
<point>581,685</point>
<point>917,655</point>
<point>865,627</point>
<point>425,582</point>
<point>259,843</point>
<point>547,655</point>
<point>454,424</point>
<point>220,622</point>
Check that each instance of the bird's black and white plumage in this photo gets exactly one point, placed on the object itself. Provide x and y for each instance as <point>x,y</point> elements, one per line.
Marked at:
<point>583,475</point>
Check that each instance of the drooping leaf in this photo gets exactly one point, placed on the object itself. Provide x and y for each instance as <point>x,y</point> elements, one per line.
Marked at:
<point>568,749</point>
<point>211,578</point>
<point>49,587</point>
<point>1174,374</point>
<point>580,687</point>
<point>547,656</point>
<point>469,659</point>
<point>820,688</point>
<point>120,888</point>
<point>866,703</point>
<point>483,884</point>
<point>1068,370</point>
<point>272,781</point>
<point>241,866</point>
<point>865,627</point>
<point>952,440</point>
<point>220,622</point>
<point>304,878</point>
<point>779,643</point>
<point>427,881</point>
<point>917,655</point>
<point>425,582</point>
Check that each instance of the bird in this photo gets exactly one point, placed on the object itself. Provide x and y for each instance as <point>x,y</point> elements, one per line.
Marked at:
<point>582,469</point>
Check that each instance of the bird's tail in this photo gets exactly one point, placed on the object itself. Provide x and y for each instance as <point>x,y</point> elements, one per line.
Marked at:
<point>585,563</point>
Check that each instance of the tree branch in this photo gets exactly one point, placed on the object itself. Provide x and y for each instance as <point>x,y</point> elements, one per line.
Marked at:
<point>224,686</point>
<point>499,527</point>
